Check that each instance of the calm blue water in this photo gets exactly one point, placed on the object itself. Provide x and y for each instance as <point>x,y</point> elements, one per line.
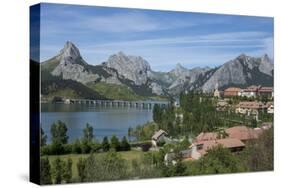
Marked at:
<point>106,121</point>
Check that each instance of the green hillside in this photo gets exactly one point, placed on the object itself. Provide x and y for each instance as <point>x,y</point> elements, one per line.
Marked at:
<point>113,91</point>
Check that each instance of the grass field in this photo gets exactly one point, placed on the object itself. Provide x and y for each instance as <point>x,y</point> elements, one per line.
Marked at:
<point>126,155</point>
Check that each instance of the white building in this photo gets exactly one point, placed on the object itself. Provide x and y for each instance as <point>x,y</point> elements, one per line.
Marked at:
<point>158,136</point>
<point>270,108</point>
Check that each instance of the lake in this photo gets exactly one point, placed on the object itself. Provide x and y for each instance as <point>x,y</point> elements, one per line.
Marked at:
<point>106,121</point>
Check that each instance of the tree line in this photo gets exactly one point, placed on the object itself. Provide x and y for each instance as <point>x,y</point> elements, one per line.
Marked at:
<point>87,144</point>
<point>257,156</point>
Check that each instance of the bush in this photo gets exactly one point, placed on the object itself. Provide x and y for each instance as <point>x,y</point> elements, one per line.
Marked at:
<point>46,150</point>
<point>125,146</point>
<point>76,147</point>
<point>67,148</point>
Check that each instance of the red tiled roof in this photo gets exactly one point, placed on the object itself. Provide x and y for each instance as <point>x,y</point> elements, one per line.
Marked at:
<point>266,89</point>
<point>206,136</point>
<point>251,104</point>
<point>232,89</point>
<point>242,133</point>
<point>226,143</point>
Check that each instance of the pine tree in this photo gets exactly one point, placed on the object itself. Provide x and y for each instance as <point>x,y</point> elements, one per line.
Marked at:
<point>125,146</point>
<point>105,144</point>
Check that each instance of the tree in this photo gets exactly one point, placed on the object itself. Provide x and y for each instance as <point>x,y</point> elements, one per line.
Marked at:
<point>57,170</point>
<point>76,147</point>
<point>59,137</point>
<point>87,139</point>
<point>105,144</point>
<point>45,171</point>
<point>114,143</point>
<point>67,171</point>
<point>254,123</point>
<point>43,138</point>
<point>85,146</point>
<point>109,167</point>
<point>81,165</point>
<point>125,146</point>
<point>220,160</point>
<point>258,155</point>
<point>88,133</point>
<point>157,113</point>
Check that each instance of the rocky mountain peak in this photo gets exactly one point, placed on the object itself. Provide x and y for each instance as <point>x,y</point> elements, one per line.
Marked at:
<point>134,68</point>
<point>179,67</point>
<point>265,58</point>
<point>122,54</point>
<point>69,53</point>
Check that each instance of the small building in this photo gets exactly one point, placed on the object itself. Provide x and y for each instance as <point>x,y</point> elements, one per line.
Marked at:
<point>266,91</point>
<point>231,92</point>
<point>270,107</point>
<point>235,140</point>
<point>251,91</point>
<point>199,149</point>
<point>266,125</point>
<point>217,93</point>
<point>179,116</point>
<point>206,136</point>
<point>176,103</point>
<point>158,137</point>
<point>222,105</point>
<point>249,107</point>
<point>170,157</point>
<point>67,101</point>
<point>243,133</point>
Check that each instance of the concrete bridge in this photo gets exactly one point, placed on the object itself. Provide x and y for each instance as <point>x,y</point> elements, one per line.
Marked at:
<point>118,103</point>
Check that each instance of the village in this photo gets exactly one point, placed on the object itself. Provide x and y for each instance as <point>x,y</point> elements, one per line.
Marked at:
<point>250,102</point>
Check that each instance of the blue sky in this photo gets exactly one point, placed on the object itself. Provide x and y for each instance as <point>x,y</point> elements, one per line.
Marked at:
<point>163,38</point>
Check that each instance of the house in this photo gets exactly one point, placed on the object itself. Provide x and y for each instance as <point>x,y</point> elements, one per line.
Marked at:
<point>243,133</point>
<point>232,92</point>
<point>217,93</point>
<point>176,103</point>
<point>249,107</point>
<point>199,149</point>
<point>170,157</point>
<point>254,91</point>
<point>251,91</point>
<point>266,125</point>
<point>206,136</point>
<point>179,116</point>
<point>266,91</point>
<point>67,101</point>
<point>270,107</point>
<point>222,105</point>
<point>158,137</point>
<point>235,140</point>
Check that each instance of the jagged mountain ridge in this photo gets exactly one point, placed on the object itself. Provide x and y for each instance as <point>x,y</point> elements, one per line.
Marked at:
<point>136,73</point>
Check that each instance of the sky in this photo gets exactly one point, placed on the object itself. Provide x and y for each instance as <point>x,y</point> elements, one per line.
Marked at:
<point>163,38</point>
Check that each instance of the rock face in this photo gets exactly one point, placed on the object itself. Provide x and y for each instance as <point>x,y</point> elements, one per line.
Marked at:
<point>135,72</point>
<point>242,70</point>
<point>266,65</point>
<point>72,66</point>
<point>133,68</point>
<point>184,77</point>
